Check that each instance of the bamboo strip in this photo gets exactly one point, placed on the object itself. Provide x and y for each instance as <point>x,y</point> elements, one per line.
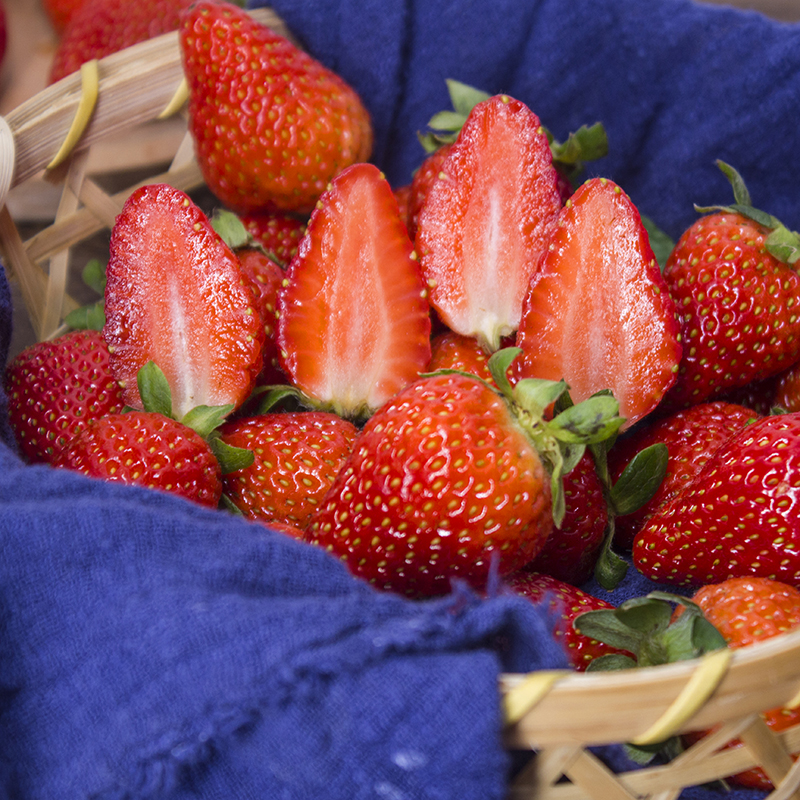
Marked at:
<point>768,752</point>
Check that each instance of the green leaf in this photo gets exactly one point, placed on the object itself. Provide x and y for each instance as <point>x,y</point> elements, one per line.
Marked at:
<point>278,397</point>
<point>640,479</point>
<point>498,365</point>
<point>154,389</point>
<point>536,394</point>
<point>611,662</point>
<point>645,614</point>
<point>588,143</point>
<point>94,275</point>
<point>90,317</point>
<point>593,420</point>
<point>610,569</point>
<point>741,194</point>
<point>661,243</point>
<point>784,245</point>
<point>572,454</point>
<point>605,626</point>
<point>231,459</point>
<point>230,228</point>
<point>228,505</point>
<point>206,419</point>
<point>464,97</point>
<point>447,121</point>
<point>706,637</point>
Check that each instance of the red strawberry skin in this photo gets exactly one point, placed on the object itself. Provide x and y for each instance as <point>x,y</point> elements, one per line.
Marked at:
<point>746,611</point>
<point>98,28</point>
<point>570,602</point>
<point>279,234</point>
<point>427,174</point>
<point>265,278</point>
<point>692,436</point>
<point>354,323</point>
<point>737,518</point>
<point>56,388</point>
<point>440,482</point>
<point>175,295</point>
<point>271,125</point>
<point>571,550</point>
<point>297,456</point>
<point>147,449</point>
<point>597,312</point>
<point>486,220</point>
<point>737,303</point>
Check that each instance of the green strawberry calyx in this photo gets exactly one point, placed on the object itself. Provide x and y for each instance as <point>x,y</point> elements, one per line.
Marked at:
<point>230,228</point>
<point>561,440</point>
<point>782,243</point>
<point>648,628</point>
<point>205,420</point>
<point>588,143</point>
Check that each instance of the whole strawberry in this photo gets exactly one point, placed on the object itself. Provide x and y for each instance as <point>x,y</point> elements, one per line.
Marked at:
<point>447,477</point>
<point>56,388</point>
<point>297,455</point>
<point>278,234</point>
<point>60,12</point>
<point>569,602</point>
<point>691,436</point>
<point>571,551</point>
<point>746,611</point>
<point>737,517</point>
<point>271,125</point>
<point>98,28</point>
<point>146,449</point>
<point>736,300</point>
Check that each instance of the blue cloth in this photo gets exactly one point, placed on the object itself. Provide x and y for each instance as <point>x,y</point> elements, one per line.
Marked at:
<point>150,648</point>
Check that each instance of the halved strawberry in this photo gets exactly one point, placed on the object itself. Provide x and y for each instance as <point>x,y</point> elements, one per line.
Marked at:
<point>354,324</point>
<point>597,312</point>
<point>175,295</point>
<point>487,219</point>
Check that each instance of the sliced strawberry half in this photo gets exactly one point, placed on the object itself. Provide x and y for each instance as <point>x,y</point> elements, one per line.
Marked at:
<point>598,314</point>
<point>487,218</point>
<point>354,322</point>
<point>175,295</point>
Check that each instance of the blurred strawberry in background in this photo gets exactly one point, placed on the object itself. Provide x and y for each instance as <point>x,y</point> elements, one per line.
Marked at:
<point>98,28</point>
<point>59,12</point>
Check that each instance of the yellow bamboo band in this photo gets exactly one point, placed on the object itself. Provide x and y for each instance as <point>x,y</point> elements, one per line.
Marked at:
<point>794,702</point>
<point>90,82</point>
<point>520,699</point>
<point>178,99</point>
<point>693,696</point>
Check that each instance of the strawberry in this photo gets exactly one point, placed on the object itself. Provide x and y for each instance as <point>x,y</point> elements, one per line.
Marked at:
<point>60,12</point>
<point>354,324</point>
<point>278,234</point>
<point>451,350</point>
<point>736,299</point>
<point>403,196</point>
<point>56,388</point>
<point>271,125</point>
<point>691,436</point>
<point>486,220</point>
<point>736,518</point>
<point>98,28</point>
<point>175,295</point>
<point>264,276</point>
<point>571,551</point>
<point>445,477</point>
<point>568,602</point>
<point>597,313</point>
<point>428,173</point>
<point>746,611</point>
<point>146,449</point>
<point>296,457</point>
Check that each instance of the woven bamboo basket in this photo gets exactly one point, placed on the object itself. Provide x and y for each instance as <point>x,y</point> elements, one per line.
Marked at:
<point>556,716</point>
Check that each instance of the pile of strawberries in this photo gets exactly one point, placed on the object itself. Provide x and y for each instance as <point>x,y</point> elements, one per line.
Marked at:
<point>485,372</point>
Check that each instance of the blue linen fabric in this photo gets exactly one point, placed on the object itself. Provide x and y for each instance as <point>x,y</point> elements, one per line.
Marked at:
<point>150,648</point>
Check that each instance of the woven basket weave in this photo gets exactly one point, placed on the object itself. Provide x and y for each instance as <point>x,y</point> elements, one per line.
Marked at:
<point>557,716</point>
